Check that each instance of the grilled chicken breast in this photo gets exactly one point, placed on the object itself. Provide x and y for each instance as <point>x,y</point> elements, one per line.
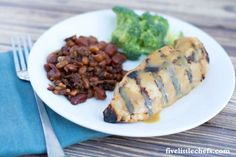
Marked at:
<point>161,79</point>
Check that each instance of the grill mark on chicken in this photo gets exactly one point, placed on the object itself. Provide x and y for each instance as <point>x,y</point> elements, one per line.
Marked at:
<point>161,87</point>
<point>190,75</point>
<point>191,58</point>
<point>133,75</point>
<point>147,100</point>
<point>128,103</point>
<point>158,82</point>
<point>188,69</point>
<point>182,61</point>
<point>206,54</point>
<point>196,53</point>
<point>171,71</point>
<point>152,69</point>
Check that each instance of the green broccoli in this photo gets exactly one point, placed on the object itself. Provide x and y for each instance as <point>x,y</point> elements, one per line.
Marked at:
<point>154,29</point>
<point>127,32</point>
<point>137,35</point>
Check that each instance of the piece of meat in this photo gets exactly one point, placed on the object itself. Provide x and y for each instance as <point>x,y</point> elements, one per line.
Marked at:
<point>160,80</point>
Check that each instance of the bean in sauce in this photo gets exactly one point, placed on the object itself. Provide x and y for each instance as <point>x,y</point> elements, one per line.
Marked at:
<point>84,68</point>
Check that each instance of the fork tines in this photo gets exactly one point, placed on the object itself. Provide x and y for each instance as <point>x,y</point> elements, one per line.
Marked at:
<point>21,46</point>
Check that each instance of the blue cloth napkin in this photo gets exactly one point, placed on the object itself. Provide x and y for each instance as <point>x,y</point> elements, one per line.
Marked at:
<point>20,126</point>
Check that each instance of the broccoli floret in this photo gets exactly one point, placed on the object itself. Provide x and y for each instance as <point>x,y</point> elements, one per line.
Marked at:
<point>127,32</point>
<point>137,35</point>
<point>162,25</point>
<point>154,29</point>
<point>125,13</point>
<point>132,51</point>
<point>127,28</point>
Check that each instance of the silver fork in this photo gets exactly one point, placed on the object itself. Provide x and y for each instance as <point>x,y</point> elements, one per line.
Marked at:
<point>21,47</point>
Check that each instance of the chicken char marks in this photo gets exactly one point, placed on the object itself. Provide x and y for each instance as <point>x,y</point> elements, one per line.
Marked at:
<point>165,76</point>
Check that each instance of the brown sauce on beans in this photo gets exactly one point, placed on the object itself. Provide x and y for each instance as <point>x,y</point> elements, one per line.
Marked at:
<point>84,68</point>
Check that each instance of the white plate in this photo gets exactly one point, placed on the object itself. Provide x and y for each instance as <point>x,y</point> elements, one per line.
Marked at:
<point>203,103</point>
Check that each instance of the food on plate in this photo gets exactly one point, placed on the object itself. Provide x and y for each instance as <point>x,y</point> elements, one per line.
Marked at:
<point>83,68</point>
<point>137,35</point>
<point>161,79</point>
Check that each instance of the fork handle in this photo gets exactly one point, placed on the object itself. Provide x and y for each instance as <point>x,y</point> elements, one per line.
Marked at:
<point>53,146</point>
